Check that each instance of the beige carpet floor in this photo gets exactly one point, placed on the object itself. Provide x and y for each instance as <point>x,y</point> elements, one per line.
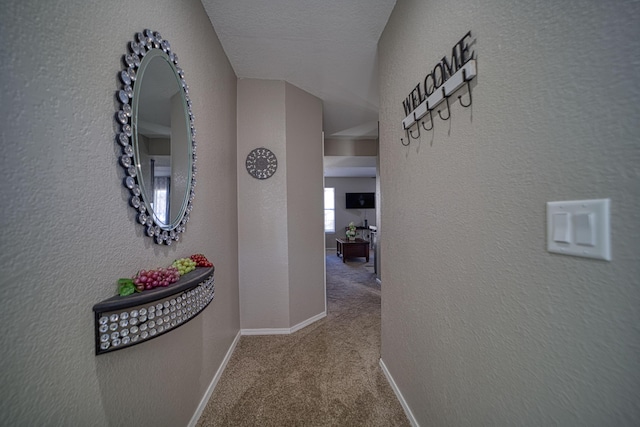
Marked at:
<point>326,374</point>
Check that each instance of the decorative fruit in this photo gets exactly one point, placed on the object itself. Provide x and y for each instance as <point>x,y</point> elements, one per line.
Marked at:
<point>184,265</point>
<point>149,279</point>
<point>201,260</point>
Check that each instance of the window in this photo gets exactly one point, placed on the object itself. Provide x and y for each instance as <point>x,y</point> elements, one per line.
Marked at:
<point>329,210</point>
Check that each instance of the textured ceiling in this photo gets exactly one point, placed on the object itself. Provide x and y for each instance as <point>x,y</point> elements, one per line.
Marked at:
<point>325,47</point>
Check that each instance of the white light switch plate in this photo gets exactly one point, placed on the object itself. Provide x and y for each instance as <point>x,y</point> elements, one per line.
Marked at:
<point>579,228</point>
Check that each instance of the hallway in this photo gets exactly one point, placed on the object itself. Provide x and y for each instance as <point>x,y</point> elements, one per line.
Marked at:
<point>324,374</point>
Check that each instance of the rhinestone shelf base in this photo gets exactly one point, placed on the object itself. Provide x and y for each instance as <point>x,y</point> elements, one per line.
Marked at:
<point>121,322</point>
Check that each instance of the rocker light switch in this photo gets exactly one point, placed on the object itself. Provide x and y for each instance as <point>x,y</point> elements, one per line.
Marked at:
<point>561,227</point>
<point>583,226</point>
<point>579,228</point>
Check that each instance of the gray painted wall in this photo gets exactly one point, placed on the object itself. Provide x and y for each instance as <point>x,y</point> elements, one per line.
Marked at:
<point>263,248</point>
<point>281,249</point>
<point>305,196</point>
<point>350,147</point>
<point>68,232</point>
<point>481,325</point>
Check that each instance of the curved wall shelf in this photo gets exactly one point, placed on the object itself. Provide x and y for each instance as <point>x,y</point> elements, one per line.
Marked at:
<point>121,322</point>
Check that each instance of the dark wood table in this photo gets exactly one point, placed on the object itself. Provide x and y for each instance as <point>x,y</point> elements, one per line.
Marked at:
<point>352,248</point>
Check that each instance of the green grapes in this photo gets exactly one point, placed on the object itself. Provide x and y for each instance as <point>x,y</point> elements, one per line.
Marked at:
<point>184,265</point>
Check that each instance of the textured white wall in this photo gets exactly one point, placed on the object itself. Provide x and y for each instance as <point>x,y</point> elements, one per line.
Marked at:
<point>481,325</point>
<point>68,232</point>
<point>262,208</point>
<point>305,199</point>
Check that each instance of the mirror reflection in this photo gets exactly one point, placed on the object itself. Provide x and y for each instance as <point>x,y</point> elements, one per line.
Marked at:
<point>162,139</point>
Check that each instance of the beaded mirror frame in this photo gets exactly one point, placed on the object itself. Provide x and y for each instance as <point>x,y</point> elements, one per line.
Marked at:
<point>144,43</point>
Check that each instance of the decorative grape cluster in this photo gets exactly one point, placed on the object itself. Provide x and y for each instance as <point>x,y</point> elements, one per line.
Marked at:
<point>201,260</point>
<point>149,279</point>
<point>184,265</point>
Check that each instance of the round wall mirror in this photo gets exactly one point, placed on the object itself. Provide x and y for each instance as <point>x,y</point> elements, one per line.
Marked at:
<point>157,137</point>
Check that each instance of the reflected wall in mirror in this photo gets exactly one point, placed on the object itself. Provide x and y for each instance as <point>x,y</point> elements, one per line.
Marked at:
<point>157,137</point>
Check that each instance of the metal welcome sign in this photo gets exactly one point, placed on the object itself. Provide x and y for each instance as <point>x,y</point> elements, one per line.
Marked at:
<point>445,78</point>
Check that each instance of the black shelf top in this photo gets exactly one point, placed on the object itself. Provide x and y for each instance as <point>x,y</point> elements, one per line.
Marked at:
<point>186,282</point>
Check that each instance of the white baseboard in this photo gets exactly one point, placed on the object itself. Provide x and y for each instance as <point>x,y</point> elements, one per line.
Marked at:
<point>309,321</point>
<point>396,390</point>
<point>266,331</point>
<point>214,382</point>
<point>284,331</point>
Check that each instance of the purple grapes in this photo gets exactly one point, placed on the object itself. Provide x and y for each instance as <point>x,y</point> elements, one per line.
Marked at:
<point>149,279</point>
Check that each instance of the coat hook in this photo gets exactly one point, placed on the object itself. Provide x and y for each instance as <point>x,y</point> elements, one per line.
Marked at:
<point>411,133</point>
<point>464,77</point>
<point>431,118</point>
<point>408,140</point>
<point>446,98</point>
<point>408,132</point>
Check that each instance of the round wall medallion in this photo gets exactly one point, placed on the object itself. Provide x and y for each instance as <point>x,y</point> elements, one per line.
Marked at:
<point>261,163</point>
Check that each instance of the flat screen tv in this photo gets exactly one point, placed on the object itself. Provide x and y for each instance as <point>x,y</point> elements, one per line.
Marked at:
<point>360,200</point>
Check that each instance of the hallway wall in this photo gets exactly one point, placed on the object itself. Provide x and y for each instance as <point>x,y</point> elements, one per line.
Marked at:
<point>281,251</point>
<point>480,324</point>
<point>68,232</point>
<point>305,198</point>
<point>262,207</point>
